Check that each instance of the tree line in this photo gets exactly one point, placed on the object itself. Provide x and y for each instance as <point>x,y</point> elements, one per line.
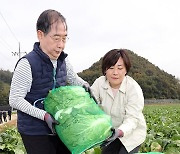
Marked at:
<point>5,80</point>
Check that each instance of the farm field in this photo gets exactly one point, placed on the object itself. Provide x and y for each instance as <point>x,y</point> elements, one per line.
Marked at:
<point>163,128</point>
<point>163,133</point>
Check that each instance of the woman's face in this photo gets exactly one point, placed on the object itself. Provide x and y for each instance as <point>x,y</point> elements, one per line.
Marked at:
<point>115,74</point>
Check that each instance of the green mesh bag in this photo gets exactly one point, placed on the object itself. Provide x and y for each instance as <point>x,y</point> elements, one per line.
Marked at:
<point>82,123</point>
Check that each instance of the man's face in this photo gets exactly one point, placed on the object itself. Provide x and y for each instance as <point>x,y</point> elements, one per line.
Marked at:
<point>53,43</point>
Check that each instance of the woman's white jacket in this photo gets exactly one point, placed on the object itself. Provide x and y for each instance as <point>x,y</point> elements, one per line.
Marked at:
<point>125,109</point>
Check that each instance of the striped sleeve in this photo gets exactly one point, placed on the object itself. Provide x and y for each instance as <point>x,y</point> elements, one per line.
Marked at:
<point>72,77</point>
<point>20,85</point>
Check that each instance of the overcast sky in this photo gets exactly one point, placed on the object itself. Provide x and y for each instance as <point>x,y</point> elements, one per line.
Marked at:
<point>150,28</point>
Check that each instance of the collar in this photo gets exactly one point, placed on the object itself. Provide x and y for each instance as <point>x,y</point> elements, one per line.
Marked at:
<point>122,87</point>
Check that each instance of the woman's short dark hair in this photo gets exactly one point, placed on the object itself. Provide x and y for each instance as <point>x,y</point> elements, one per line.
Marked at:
<point>111,58</point>
<point>47,18</point>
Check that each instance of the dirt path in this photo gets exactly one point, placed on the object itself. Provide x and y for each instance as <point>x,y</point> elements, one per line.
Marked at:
<point>9,123</point>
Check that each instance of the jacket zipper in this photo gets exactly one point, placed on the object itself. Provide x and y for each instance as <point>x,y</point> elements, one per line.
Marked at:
<point>54,78</point>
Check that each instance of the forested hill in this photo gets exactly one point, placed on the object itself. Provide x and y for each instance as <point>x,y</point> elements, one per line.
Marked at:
<point>154,82</point>
<point>5,80</point>
<point>5,76</point>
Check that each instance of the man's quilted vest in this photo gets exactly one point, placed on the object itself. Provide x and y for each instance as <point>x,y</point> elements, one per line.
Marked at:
<point>43,80</point>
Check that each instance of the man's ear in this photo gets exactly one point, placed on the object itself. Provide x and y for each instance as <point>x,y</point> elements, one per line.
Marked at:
<point>40,35</point>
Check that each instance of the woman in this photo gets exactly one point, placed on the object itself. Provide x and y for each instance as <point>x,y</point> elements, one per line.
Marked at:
<point>121,97</point>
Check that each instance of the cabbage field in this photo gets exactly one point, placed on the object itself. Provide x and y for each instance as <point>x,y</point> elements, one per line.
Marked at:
<point>163,122</point>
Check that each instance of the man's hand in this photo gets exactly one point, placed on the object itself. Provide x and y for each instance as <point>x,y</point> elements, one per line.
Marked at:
<point>51,122</point>
<point>115,134</point>
<point>88,89</point>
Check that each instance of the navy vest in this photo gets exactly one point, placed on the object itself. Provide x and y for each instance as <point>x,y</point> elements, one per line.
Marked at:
<point>44,79</point>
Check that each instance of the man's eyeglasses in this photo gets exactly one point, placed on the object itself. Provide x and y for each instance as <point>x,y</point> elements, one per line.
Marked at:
<point>57,38</point>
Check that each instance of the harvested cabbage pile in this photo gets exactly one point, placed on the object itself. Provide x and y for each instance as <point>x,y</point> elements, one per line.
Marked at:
<point>82,123</point>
